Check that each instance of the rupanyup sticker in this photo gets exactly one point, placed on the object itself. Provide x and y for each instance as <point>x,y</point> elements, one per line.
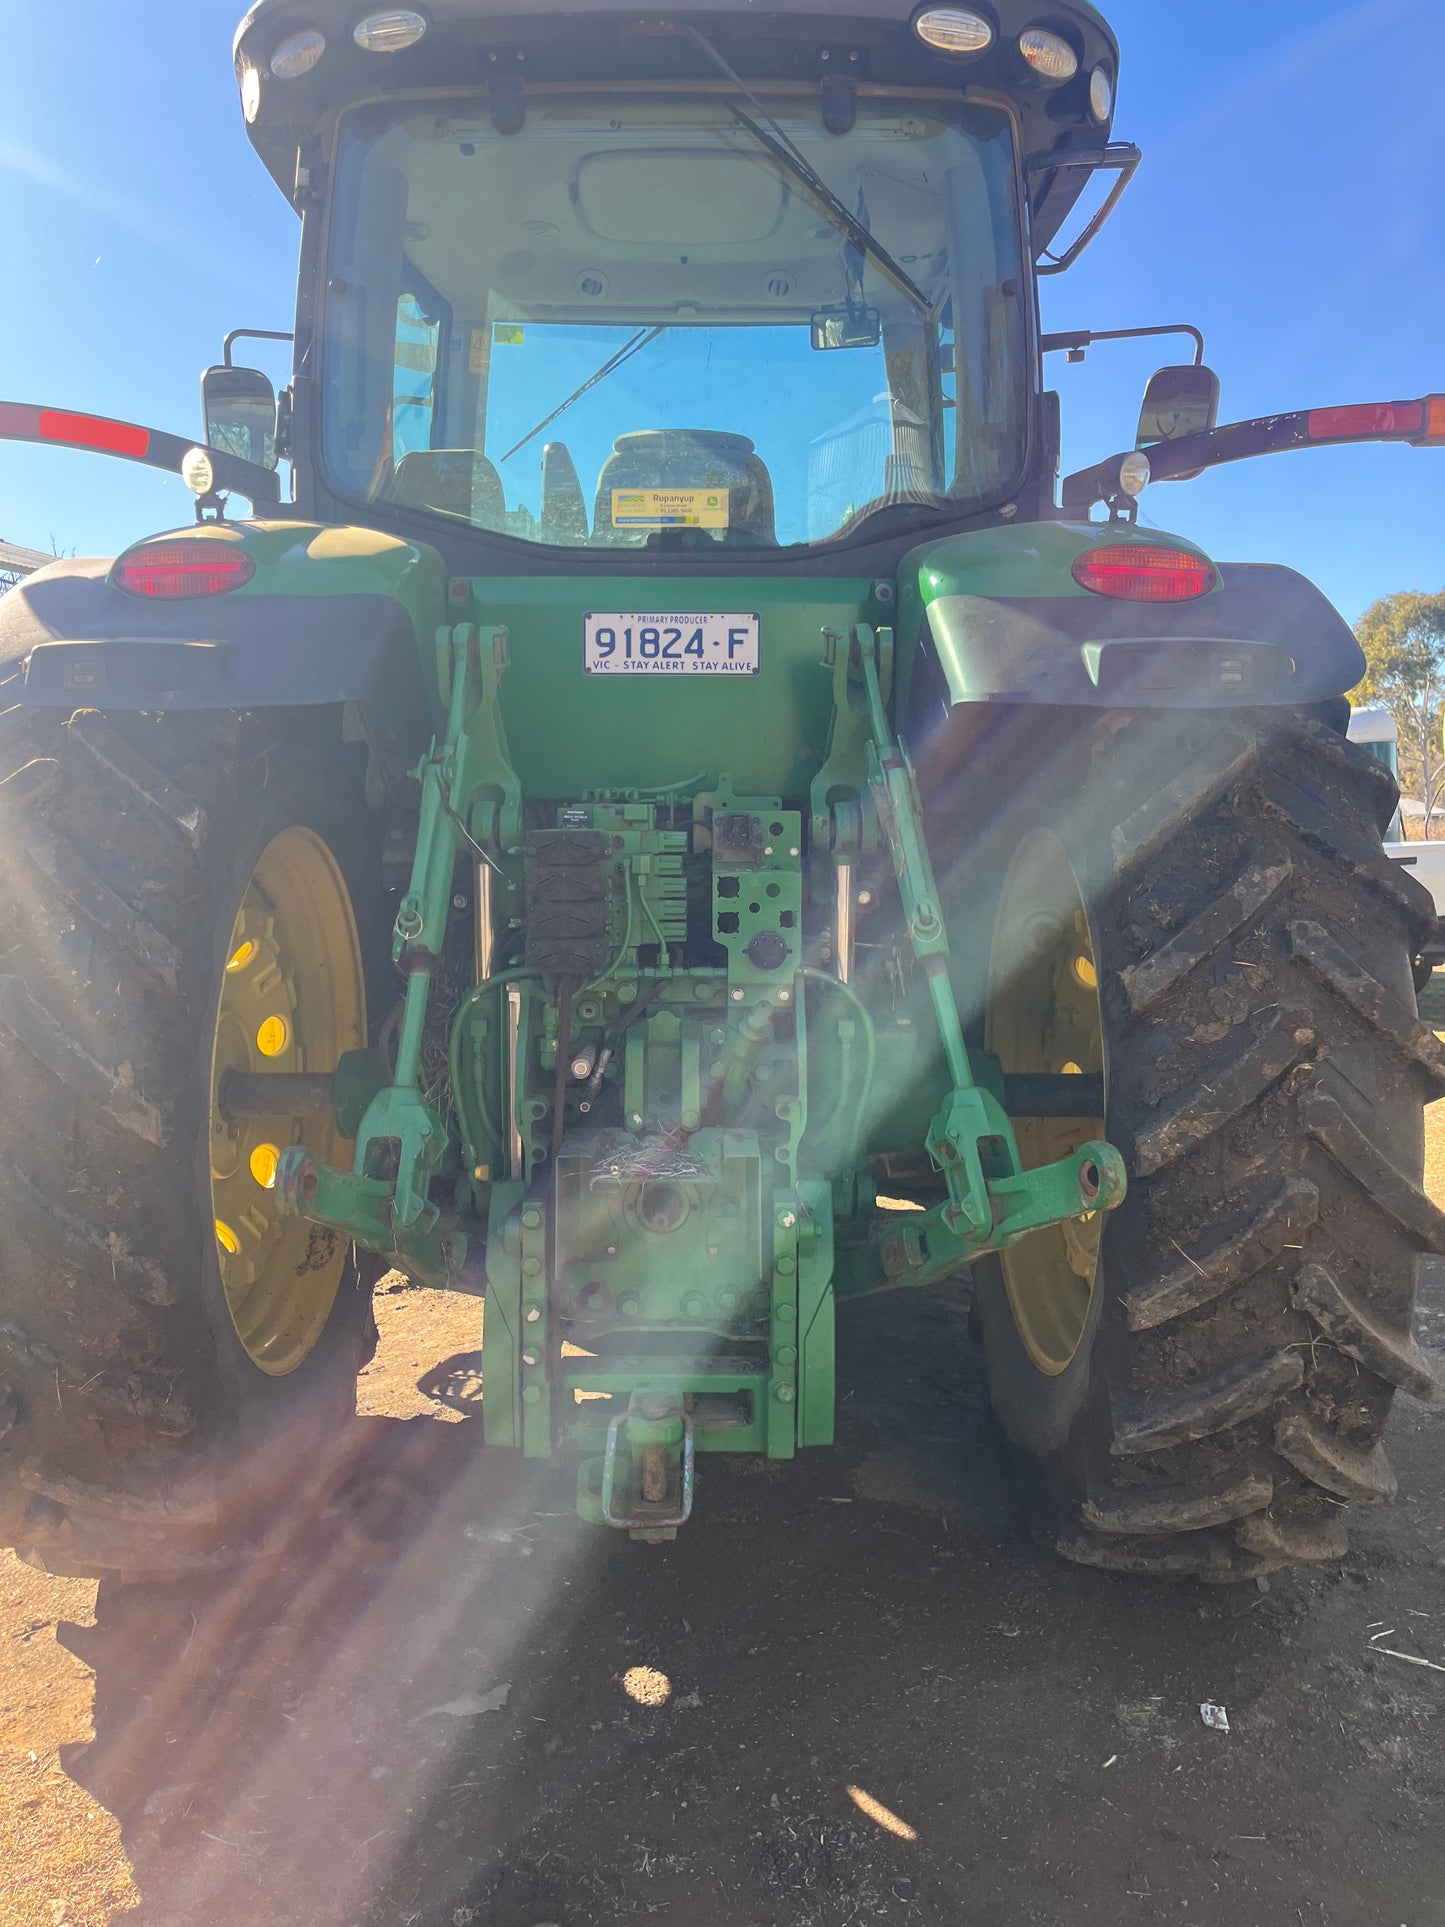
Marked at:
<point>669,508</point>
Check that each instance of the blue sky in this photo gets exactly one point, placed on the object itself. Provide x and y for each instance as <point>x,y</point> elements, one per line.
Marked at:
<point>1291,203</point>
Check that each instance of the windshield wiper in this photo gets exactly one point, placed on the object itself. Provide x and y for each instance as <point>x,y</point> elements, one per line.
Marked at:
<point>625,353</point>
<point>794,162</point>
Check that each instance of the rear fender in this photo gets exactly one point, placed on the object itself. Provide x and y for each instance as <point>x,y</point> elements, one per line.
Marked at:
<point>1006,622</point>
<point>333,616</point>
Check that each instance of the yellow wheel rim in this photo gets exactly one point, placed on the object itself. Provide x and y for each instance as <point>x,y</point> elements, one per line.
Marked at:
<point>1044,1015</point>
<point>292,998</point>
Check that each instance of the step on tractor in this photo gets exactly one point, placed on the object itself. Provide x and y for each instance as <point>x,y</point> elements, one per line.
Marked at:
<point>676,820</point>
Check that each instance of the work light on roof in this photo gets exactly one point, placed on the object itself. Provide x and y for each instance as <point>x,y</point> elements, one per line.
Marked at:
<point>298,54</point>
<point>390,32</point>
<point>1101,93</point>
<point>1049,54</point>
<point>250,92</point>
<point>954,30</point>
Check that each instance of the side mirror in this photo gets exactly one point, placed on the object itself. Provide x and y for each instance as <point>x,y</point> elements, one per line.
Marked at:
<point>847,327</point>
<point>1178,401</point>
<point>239,405</point>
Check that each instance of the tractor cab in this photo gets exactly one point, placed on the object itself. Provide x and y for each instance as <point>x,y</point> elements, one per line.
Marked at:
<point>630,325</point>
<point>697,287</point>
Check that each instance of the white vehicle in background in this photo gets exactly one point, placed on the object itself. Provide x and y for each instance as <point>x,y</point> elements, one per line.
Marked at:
<point>1377,731</point>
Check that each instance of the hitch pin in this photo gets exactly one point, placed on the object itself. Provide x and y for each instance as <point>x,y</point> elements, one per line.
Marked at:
<point>582,1064</point>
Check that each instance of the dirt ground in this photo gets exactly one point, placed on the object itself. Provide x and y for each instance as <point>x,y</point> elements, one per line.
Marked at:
<point>853,1691</point>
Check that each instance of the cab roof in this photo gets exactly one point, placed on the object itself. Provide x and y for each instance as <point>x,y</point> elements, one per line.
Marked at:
<point>824,43</point>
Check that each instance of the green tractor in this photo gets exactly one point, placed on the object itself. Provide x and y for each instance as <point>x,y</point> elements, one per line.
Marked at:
<point>681,823</point>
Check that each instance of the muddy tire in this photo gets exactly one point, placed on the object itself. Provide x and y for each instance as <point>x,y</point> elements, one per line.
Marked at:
<point>139,1438</point>
<point>1250,1316</point>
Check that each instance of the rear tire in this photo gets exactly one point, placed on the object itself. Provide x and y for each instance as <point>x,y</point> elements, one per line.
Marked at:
<point>1250,1318</point>
<point>139,1437</point>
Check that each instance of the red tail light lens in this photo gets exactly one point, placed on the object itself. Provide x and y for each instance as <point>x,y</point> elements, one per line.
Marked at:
<point>183,568</point>
<point>1143,572</point>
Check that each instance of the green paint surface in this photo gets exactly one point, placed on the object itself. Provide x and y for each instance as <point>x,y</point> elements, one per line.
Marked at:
<point>569,732</point>
<point>1026,559</point>
<point>1013,562</point>
<point>326,559</point>
<point>1022,559</point>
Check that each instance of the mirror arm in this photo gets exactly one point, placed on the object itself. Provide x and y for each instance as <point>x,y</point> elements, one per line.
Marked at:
<point>1078,339</point>
<point>251,334</point>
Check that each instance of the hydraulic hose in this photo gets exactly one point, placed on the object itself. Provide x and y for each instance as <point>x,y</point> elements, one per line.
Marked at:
<point>461,1092</point>
<point>870,1038</point>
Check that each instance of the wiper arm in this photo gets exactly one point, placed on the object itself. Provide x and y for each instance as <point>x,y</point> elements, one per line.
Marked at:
<point>625,353</point>
<point>790,158</point>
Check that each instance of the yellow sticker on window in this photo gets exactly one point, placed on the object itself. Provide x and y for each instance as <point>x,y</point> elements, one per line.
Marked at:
<point>669,508</point>
<point>477,352</point>
<point>508,334</point>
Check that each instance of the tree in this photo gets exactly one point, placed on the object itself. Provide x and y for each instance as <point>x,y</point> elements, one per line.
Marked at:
<point>1403,637</point>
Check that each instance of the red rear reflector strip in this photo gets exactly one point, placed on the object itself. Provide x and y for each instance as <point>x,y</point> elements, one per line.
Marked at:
<point>1366,418</point>
<point>94,431</point>
<point>189,568</point>
<point>1142,572</point>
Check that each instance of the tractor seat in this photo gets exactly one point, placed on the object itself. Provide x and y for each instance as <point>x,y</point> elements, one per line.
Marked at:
<point>454,481</point>
<point>701,458</point>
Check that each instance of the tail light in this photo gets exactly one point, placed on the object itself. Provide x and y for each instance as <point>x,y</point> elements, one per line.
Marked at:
<point>1144,572</point>
<point>185,567</point>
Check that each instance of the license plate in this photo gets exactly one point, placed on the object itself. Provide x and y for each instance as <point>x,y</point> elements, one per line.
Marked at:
<point>673,645</point>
